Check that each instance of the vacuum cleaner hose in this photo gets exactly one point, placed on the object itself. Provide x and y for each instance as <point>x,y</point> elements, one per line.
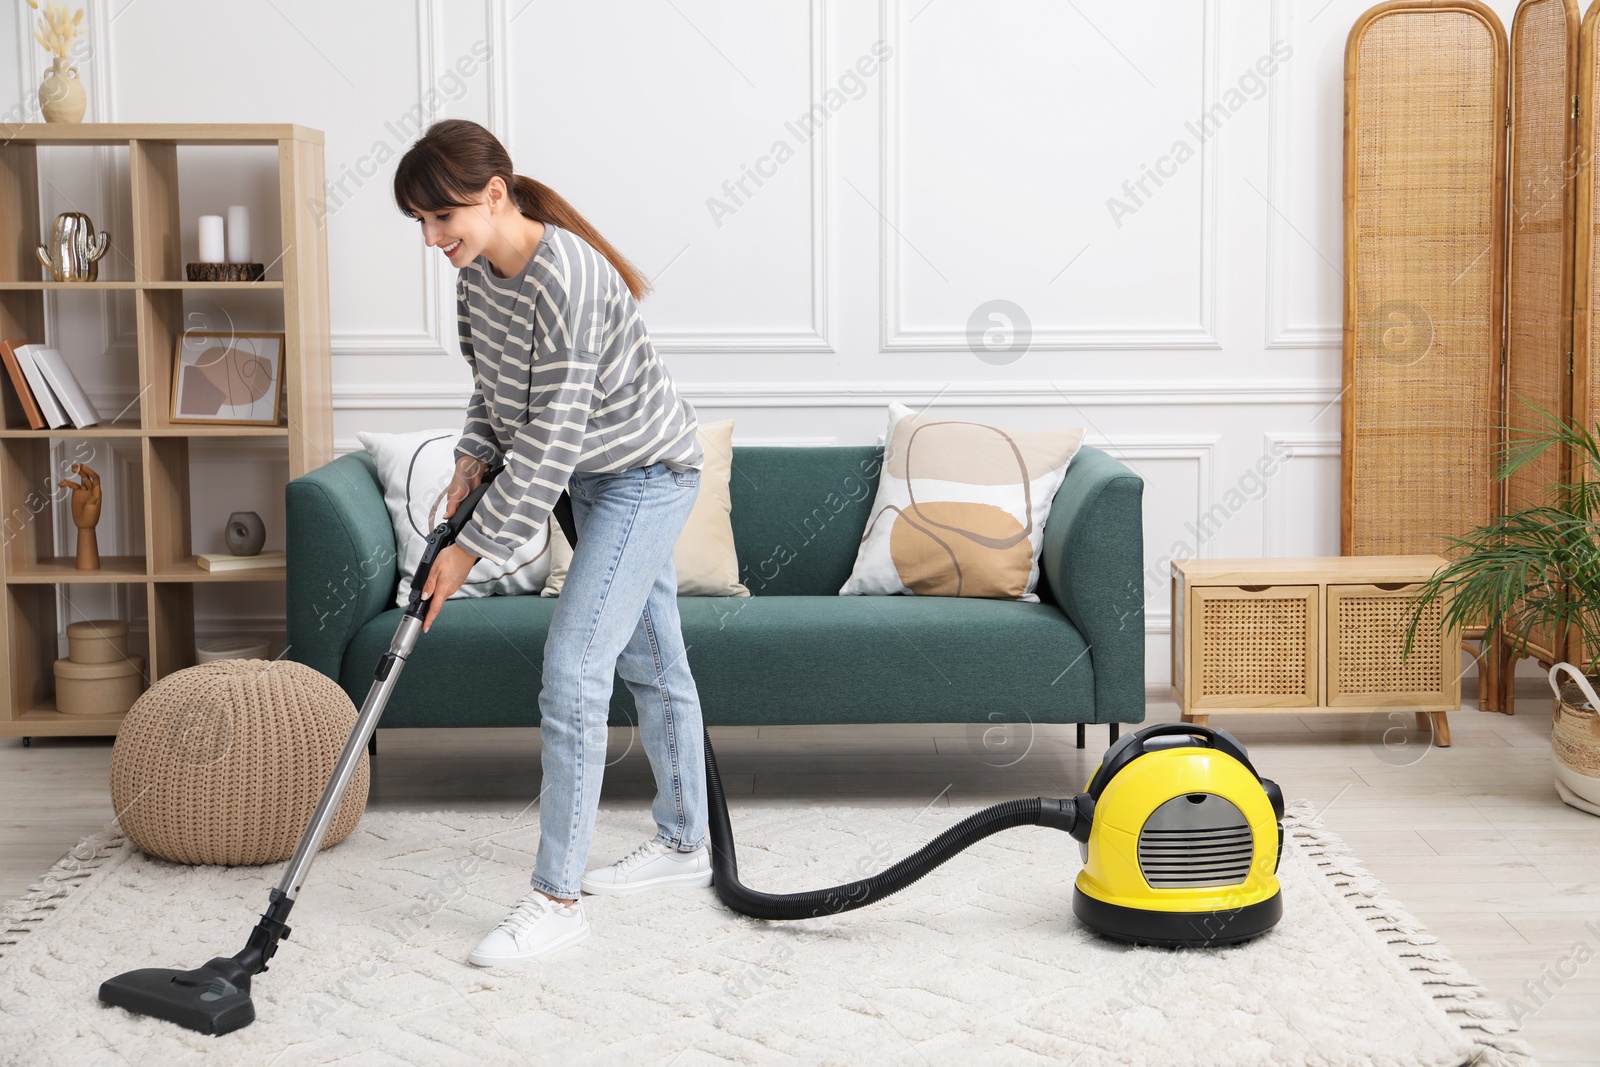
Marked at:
<point>1074,815</point>
<point>1039,811</point>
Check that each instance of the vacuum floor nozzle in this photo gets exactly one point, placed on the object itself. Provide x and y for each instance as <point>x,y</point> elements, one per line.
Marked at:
<point>213,999</point>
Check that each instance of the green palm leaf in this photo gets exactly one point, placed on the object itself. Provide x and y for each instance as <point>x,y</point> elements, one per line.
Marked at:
<point>1535,568</point>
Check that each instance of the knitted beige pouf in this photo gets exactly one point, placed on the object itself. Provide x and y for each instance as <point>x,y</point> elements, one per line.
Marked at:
<point>225,762</point>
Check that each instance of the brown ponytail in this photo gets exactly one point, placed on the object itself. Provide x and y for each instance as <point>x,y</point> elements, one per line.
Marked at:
<point>452,162</point>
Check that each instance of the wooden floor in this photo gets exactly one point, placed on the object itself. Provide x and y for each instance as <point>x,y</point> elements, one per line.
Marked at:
<point>1471,839</point>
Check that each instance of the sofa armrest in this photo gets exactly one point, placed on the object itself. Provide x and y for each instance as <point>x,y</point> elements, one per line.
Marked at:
<point>340,561</point>
<point>1093,558</point>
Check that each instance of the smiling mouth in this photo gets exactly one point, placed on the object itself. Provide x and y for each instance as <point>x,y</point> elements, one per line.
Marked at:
<point>450,250</point>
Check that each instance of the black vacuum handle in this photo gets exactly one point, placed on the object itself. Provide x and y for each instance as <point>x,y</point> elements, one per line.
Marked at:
<point>444,535</point>
<point>448,529</point>
<point>1131,747</point>
<point>463,514</point>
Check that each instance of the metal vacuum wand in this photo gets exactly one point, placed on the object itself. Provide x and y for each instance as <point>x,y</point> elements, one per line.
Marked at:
<point>385,675</point>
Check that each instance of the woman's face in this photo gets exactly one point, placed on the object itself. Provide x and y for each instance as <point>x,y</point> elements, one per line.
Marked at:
<point>461,233</point>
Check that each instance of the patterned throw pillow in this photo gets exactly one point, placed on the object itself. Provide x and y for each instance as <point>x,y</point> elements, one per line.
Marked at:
<point>703,556</point>
<point>960,508</point>
<point>416,469</point>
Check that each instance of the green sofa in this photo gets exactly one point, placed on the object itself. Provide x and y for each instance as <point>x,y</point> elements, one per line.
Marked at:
<point>792,652</point>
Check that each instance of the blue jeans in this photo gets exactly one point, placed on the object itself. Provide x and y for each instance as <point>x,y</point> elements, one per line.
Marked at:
<point>618,611</point>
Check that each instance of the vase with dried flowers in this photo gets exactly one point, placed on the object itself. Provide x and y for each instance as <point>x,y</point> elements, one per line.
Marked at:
<point>61,95</point>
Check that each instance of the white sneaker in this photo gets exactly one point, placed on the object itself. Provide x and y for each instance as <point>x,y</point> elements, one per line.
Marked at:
<point>652,865</point>
<point>537,926</point>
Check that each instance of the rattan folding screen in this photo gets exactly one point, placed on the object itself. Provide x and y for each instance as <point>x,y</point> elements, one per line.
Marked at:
<point>1584,385</point>
<point>1541,237</point>
<point>1462,299</point>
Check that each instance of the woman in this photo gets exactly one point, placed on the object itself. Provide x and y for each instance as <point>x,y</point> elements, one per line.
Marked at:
<point>570,393</point>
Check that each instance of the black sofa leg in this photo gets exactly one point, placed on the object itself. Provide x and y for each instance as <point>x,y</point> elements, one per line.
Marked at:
<point>372,744</point>
<point>1116,729</point>
<point>1080,735</point>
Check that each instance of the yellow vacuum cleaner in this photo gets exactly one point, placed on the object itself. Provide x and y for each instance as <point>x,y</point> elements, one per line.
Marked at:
<point>1180,839</point>
<point>1185,841</point>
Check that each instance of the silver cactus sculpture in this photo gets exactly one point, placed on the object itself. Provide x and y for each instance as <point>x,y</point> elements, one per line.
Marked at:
<point>77,249</point>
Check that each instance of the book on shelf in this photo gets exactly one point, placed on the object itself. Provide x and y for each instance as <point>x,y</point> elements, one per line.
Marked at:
<point>19,382</point>
<point>67,388</point>
<point>54,414</point>
<point>227,561</point>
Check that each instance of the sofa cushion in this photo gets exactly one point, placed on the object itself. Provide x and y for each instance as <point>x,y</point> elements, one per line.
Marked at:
<point>933,659</point>
<point>886,659</point>
<point>960,508</point>
<point>703,555</point>
<point>798,514</point>
<point>491,647</point>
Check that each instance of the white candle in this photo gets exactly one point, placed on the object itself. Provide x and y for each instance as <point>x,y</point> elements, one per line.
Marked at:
<point>211,238</point>
<point>238,234</point>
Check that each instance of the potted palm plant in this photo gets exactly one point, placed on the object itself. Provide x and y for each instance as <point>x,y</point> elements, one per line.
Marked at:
<point>1538,569</point>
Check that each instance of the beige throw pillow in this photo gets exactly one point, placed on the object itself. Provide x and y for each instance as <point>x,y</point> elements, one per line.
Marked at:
<point>704,555</point>
<point>960,508</point>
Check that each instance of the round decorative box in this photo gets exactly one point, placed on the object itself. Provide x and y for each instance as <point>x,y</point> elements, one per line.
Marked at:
<point>98,688</point>
<point>97,641</point>
<point>214,648</point>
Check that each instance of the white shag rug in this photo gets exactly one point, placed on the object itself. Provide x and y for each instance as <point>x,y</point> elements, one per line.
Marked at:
<point>979,961</point>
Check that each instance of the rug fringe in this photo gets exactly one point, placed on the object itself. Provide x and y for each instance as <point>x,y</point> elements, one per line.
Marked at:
<point>26,913</point>
<point>1463,998</point>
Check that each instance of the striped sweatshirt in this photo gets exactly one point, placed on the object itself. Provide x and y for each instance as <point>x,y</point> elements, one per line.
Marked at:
<point>565,379</point>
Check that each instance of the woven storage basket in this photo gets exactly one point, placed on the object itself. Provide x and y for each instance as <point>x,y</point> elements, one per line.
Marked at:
<point>1575,743</point>
<point>224,762</point>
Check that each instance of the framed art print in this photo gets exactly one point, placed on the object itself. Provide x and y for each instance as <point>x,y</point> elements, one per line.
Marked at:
<point>227,378</point>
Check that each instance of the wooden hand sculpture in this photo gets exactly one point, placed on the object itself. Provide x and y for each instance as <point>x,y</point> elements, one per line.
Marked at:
<point>85,514</point>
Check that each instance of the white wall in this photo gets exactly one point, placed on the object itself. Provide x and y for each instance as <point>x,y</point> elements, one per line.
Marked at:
<point>1194,330</point>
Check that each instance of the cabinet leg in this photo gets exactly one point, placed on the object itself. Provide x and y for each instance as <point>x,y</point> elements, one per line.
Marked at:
<point>1080,735</point>
<point>1198,720</point>
<point>27,742</point>
<point>1441,728</point>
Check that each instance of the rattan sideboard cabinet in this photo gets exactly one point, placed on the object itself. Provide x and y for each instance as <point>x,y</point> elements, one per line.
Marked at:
<point>1253,636</point>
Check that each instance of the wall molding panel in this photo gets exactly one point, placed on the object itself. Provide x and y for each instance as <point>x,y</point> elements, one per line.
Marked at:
<point>898,337</point>
<point>1278,535</point>
<point>1280,234</point>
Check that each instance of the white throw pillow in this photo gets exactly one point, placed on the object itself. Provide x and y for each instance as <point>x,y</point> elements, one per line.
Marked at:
<point>560,560</point>
<point>960,508</point>
<point>416,469</point>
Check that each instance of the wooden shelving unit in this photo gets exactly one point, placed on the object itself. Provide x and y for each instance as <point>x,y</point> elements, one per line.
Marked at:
<point>168,572</point>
